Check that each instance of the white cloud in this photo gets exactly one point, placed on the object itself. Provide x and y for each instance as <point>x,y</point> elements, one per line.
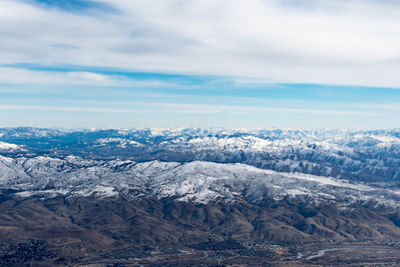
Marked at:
<point>67,108</point>
<point>157,107</point>
<point>90,76</point>
<point>23,76</point>
<point>349,42</point>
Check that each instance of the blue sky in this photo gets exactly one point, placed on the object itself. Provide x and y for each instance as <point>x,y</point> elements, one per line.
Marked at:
<point>125,64</point>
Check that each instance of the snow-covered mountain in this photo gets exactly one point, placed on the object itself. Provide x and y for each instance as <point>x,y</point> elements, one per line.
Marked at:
<point>197,181</point>
<point>10,148</point>
<point>204,165</point>
<point>369,156</point>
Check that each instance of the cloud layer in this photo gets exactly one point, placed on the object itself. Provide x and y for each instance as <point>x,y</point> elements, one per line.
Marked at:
<point>344,42</point>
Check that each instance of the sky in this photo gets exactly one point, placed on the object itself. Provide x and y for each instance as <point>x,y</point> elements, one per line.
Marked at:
<point>208,63</point>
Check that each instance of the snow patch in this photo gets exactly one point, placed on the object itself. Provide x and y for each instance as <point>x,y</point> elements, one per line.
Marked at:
<point>10,147</point>
<point>120,142</point>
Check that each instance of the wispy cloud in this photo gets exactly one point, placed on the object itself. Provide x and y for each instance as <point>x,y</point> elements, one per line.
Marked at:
<point>341,42</point>
<point>67,108</point>
<point>155,107</point>
<point>10,75</point>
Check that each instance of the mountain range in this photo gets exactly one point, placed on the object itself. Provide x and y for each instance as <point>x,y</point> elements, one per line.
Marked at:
<point>158,196</point>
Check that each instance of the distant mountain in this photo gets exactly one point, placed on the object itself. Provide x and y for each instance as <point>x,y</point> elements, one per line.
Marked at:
<point>370,156</point>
